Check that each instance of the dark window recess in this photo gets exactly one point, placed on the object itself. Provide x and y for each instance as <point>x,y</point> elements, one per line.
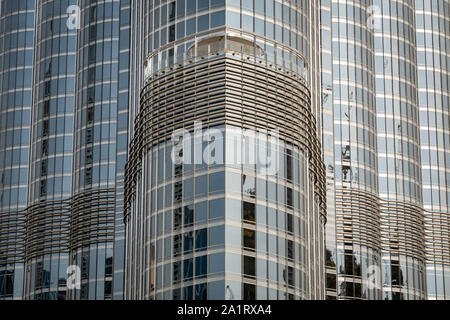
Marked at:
<point>331,281</point>
<point>249,292</point>
<point>176,245</point>
<point>201,266</point>
<point>44,168</point>
<point>47,88</point>
<point>45,128</point>
<point>44,147</point>
<point>249,212</point>
<point>108,266</point>
<point>84,294</point>
<point>176,272</point>
<point>92,54</point>
<point>90,115</point>
<point>172,11</point>
<point>176,294</point>
<point>177,218</point>
<point>289,165</point>
<point>48,73</point>
<point>290,223</point>
<point>93,33</point>
<point>290,249</point>
<point>358,290</point>
<point>347,173</point>
<point>46,108</point>
<point>188,242</point>
<point>290,276</point>
<point>171,33</point>
<point>289,197</point>
<point>88,176</point>
<point>201,291</point>
<point>178,192</point>
<point>249,239</point>
<point>38,282</point>
<point>349,264</point>
<point>89,156</point>
<point>43,188</point>
<point>188,215</point>
<point>249,266</point>
<point>201,237</point>
<point>346,155</point>
<point>188,269</point>
<point>89,136</point>
<point>61,295</point>
<point>187,293</point>
<point>108,289</point>
<point>91,95</point>
<point>6,283</point>
<point>85,266</point>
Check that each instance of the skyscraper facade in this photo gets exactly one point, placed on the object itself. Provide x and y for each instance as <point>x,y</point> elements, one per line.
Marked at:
<point>348,101</point>
<point>433,65</point>
<point>16,65</point>
<point>225,184</point>
<point>64,98</point>
<point>224,149</point>
<point>386,183</point>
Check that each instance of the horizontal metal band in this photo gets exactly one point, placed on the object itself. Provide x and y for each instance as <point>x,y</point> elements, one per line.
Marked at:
<point>437,237</point>
<point>47,228</point>
<point>225,90</point>
<point>358,218</point>
<point>92,217</point>
<point>402,229</point>
<point>64,225</point>
<point>12,236</point>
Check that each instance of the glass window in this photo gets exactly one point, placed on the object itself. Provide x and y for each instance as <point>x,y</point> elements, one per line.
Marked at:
<point>201,291</point>
<point>188,215</point>
<point>216,290</point>
<point>233,182</point>
<point>216,236</point>
<point>188,291</point>
<point>201,239</point>
<point>217,209</point>
<point>188,189</point>
<point>217,19</point>
<point>201,267</point>
<point>216,263</point>
<point>191,6</point>
<point>249,213</point>
<point>233,19</point>
<point>217,182</point>
<point>249,266</point>
<point>203,23</point>
<point>190,26</point>
<point>201,213</point>
<point>201,185</point>
<point>249,291</point>
<point>248,185</point>
<point>188,242</point>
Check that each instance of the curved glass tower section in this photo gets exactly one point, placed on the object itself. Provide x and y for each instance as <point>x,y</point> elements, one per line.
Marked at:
<point>100,148</point>
<point>16,74</point>
<point>402,222</point>
<point>389,60</point>
<point>349,97</point>
<point>93,206</point>
<point>63,147</point>
<point>225,182</point>
<point>433,59</point>
<point>51,154</point>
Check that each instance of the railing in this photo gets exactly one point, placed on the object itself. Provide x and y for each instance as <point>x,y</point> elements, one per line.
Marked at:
<point>165,60</point>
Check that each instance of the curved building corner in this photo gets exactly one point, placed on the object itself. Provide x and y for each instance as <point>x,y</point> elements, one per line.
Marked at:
<point>225,183</point>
